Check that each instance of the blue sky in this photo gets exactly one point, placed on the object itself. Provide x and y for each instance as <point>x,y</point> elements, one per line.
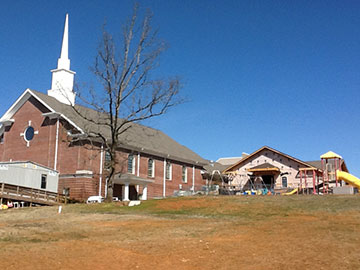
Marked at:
<point>278,73</point>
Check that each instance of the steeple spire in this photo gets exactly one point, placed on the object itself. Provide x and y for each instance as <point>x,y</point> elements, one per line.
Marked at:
<point>62,77</point>
<point>64,61</point>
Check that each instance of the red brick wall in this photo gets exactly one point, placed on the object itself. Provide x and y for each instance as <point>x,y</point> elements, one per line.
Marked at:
<point>42,147</point>
<point>80,188</point>
<point>73,157</point>
<point>156,189</point>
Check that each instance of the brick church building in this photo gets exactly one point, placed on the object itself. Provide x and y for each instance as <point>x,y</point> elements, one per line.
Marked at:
<point>44,128</point>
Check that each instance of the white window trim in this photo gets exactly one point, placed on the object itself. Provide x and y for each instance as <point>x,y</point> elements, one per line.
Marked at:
<point>133,164</point>
<point>153,168</point>
<point>184,180</point>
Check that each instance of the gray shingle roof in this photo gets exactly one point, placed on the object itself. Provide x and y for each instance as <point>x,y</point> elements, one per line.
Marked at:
<point>214,166</point>
<point>315,163</point>
<point>138,137</point>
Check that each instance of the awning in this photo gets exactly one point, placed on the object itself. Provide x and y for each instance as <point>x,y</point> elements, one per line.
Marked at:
<point>131,179</point>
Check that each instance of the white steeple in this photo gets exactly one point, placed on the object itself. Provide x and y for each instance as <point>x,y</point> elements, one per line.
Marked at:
<point>62,77</point>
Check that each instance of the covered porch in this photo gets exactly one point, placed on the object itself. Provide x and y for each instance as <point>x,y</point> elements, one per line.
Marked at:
<point>267,172</point>
<point>127,186</point>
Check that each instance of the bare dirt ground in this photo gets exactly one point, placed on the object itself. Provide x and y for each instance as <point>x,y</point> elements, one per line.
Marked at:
<point>300,232</point>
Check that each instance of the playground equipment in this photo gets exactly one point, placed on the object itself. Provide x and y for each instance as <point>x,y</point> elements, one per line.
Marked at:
<point>330,164</point>
<point>256,186</point>
<point>331,175</point>
<point>348,178</point>
<point>292,192</point>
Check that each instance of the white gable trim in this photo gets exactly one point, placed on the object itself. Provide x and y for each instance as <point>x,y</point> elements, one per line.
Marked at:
<point>21,101</point>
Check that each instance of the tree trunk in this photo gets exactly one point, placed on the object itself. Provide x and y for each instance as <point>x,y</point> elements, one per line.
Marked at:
<point>110,191</point>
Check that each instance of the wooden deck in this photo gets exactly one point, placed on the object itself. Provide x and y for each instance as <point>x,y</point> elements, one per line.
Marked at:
<point>25,194</point>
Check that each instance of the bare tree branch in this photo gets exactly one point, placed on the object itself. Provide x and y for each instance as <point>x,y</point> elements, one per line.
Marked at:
<point>129,92</point>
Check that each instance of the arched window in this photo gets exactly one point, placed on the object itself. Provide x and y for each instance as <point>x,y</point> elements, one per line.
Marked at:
<point>284,181</point>
<point>131,164</point>
<point>151,168</point>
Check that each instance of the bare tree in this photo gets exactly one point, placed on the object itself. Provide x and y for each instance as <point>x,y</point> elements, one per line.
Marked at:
<point>129,93</point>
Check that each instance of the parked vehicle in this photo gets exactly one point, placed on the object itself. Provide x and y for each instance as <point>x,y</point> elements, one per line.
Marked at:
<point>95,199</point>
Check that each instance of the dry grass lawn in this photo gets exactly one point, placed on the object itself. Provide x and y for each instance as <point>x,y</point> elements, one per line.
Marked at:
<point>298,232</point>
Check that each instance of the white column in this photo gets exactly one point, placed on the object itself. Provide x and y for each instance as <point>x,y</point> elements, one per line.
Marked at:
<point>126,192</point>
<point>164,180</point>
<point>144,195</point>
<point>106,186</point>
<point>101,168</point>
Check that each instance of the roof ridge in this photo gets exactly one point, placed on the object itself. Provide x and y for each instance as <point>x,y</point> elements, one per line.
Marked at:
<point>163,144</point>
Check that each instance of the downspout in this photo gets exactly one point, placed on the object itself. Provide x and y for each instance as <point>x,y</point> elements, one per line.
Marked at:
<point>56,144</point>
<point>101,167</point>
<point>164,180</point>
<point>193,180</point>
<point>138,163</point>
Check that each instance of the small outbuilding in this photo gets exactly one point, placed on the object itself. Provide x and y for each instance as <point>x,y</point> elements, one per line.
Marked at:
<point>29,175</point>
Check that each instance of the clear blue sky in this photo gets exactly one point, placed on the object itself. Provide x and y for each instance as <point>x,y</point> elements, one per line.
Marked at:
<point>278,73</point>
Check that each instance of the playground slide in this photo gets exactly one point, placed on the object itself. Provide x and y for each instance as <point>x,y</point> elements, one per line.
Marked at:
<point>291,192</point>
<point>348,178</point>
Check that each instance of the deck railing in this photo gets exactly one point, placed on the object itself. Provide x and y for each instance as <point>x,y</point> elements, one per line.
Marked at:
<point>39,196</point>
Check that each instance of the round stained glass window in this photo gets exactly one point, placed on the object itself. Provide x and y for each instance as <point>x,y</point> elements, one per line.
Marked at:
<point>29,133</point>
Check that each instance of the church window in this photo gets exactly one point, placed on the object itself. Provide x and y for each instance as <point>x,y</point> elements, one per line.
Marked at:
<point>168,171</point>
<point>66,191</point>
<point>284,181</point>
<point>43,181</point>
<point>29,133</point>
<point>151,168</point>
<point>131,164</point>
<point>184,174</point>
<point>107,156</point>
<point>107,162</point>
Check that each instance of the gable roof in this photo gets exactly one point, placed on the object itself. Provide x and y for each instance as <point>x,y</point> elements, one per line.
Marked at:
<point>137,138</point>
<point>265,167</point>
<point>242,161</point>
